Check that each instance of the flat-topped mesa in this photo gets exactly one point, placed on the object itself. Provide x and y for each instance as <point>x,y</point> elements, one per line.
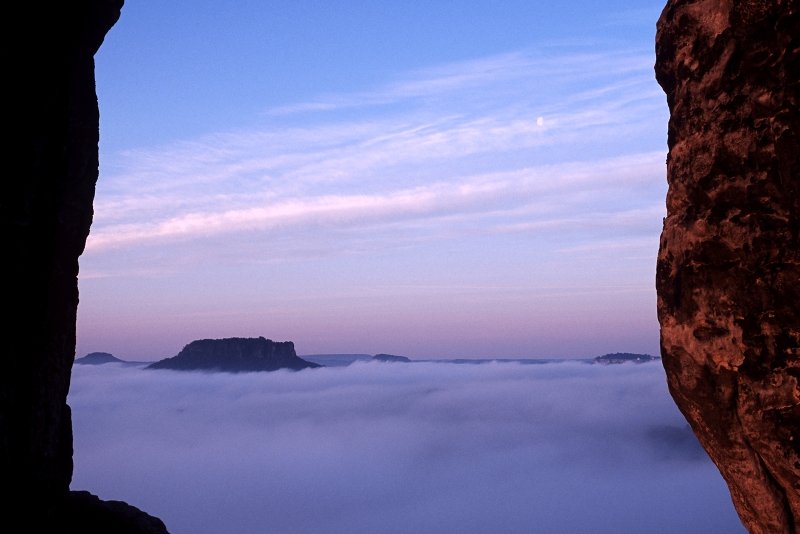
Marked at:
<point>728,275</point>
<point>235,355</point>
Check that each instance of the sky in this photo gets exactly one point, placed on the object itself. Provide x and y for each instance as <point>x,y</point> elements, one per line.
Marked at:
<point>437,179</point>
<point>374,448</point>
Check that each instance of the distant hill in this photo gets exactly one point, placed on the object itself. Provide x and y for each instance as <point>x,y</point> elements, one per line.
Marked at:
<point>98,358</point>
<point>336,360</point>
<point>235,355</point>
<point>389,358</point>
<point>622,357</point>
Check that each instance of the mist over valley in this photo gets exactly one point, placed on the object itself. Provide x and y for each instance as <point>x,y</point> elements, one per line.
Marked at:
<point>389,448</point>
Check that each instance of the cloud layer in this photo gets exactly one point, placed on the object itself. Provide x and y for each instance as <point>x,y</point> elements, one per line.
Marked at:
<point>388,448</point>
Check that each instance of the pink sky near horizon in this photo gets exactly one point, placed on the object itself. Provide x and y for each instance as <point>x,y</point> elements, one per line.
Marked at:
<point>507,206</point>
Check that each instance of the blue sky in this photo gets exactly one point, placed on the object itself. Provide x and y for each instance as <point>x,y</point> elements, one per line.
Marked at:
<point>437,180</point>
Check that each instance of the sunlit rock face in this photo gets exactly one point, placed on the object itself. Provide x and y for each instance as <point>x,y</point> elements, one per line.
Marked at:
<point>50,165</point>
<point>728,275</point>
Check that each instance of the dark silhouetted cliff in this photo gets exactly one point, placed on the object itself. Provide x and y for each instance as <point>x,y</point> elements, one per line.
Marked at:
<point>235,355</point>
<point>728,275</point>
<point>50,166</point>
<point>87,514</point>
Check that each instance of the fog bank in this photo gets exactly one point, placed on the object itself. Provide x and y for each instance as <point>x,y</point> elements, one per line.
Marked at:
<point>398,448</point>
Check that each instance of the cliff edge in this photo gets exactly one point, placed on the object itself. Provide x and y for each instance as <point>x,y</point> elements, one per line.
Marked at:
<point>728,275</point>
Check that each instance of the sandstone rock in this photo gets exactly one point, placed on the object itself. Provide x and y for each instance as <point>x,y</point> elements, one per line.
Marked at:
<point>728,274</point>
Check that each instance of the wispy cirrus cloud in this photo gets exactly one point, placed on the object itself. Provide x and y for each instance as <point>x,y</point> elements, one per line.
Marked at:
<point>512,201</point>
<point>479,147</point>
<point>497,72</point>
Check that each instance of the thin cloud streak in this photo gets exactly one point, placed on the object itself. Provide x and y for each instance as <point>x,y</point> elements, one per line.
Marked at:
<point>474,74</point>
<point>416,166</point>
<point>515,193</point>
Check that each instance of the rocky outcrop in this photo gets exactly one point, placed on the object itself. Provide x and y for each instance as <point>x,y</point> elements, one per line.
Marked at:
<point>235,355</point>
<point>50,166</point>
<point>728,275</point>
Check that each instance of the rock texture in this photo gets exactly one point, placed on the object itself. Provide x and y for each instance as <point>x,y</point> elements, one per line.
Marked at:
<point>50,166</point>
<point>235,355</point>
<point>728,275</point>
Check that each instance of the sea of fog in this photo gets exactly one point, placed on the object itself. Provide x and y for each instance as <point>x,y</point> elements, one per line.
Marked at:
<point>388,448</point>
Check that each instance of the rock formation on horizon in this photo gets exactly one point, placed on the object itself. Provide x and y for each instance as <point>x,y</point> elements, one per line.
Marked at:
<point>235,355</point>
<point>98,358</point>
<point>622,357</point>
<point>391,358</point>
<point>336,360</point>
<point>728,275</point>
<point>50,167</point>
